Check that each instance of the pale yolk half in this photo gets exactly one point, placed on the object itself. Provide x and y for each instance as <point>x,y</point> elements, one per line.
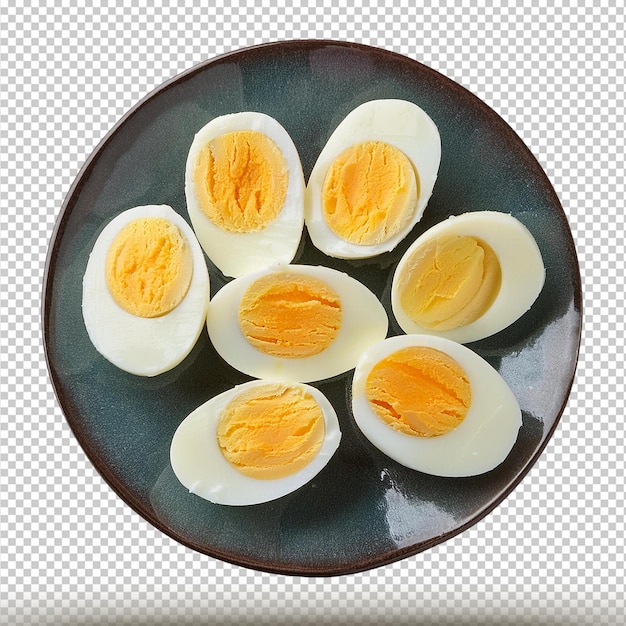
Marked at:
<point>290,315</point>
<point>271,431</point>
<point>449,282</point>
<point>370,193</point>
<point>419,391</point>
<point>241,181</point>
<point>149,267</point>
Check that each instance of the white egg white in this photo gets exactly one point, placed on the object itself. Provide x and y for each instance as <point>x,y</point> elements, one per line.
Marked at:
<point>482,440</point>
<point>236,254</point>
<point>201,467</point>
<point>143,346</point>
<point>523,273</point>
<point>364,322</point>
<point>397,122</point>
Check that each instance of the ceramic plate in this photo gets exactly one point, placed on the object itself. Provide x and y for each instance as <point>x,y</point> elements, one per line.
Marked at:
<point>363,510</point>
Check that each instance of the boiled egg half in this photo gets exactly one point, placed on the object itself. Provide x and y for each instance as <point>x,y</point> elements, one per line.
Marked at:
<point>145,290</point>
<point>295,323</point>
<point>373,179</point>
<point>467,277</point>
<point>245,192</point>
<point>255,442</point>
<point>435,406</point>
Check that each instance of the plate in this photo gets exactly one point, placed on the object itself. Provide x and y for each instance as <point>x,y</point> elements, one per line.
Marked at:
<point>363,510</point>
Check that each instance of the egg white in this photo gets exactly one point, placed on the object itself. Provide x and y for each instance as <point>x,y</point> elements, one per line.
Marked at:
<point>477,445</point>
<point>235,254</point>
<point>397,122</point>
<point>523,273</point>
<point>201,467</point>
<point>143,346</point>
<point>364,321</point>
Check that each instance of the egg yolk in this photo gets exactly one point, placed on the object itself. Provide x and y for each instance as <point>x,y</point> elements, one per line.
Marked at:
<point>149,267</point>
<point>369,193</point>
<point>241,181</point>
<point>290,315</point>
<point>271,431</point>
<point>419,391</point>
<point>449,282</point>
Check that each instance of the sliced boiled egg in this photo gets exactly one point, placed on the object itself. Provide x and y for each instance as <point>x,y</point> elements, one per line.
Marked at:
<point>373,179</point>
<point>296,323</point>
<point>467,277</point>
<point>255,442</point>
<point>145,290</point>
<point>434,405</point>
<point>245,192</point>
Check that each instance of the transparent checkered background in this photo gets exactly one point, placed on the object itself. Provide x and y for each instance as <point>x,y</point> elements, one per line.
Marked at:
<point>72,553</point>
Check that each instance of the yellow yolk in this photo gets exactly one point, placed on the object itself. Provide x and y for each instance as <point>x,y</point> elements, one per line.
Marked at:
<point>149,267</point>
<point>241,180</point>
<point>419,391</point>
<point>290,315</point>
<point>449,282</point>
<point>370,193</point>
<point>271,431</point>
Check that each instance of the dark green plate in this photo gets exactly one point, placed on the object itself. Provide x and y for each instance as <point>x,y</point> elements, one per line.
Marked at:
<point>363,510</point>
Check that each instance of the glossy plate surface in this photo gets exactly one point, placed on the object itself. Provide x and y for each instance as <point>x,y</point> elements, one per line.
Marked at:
<point>363,510</point>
